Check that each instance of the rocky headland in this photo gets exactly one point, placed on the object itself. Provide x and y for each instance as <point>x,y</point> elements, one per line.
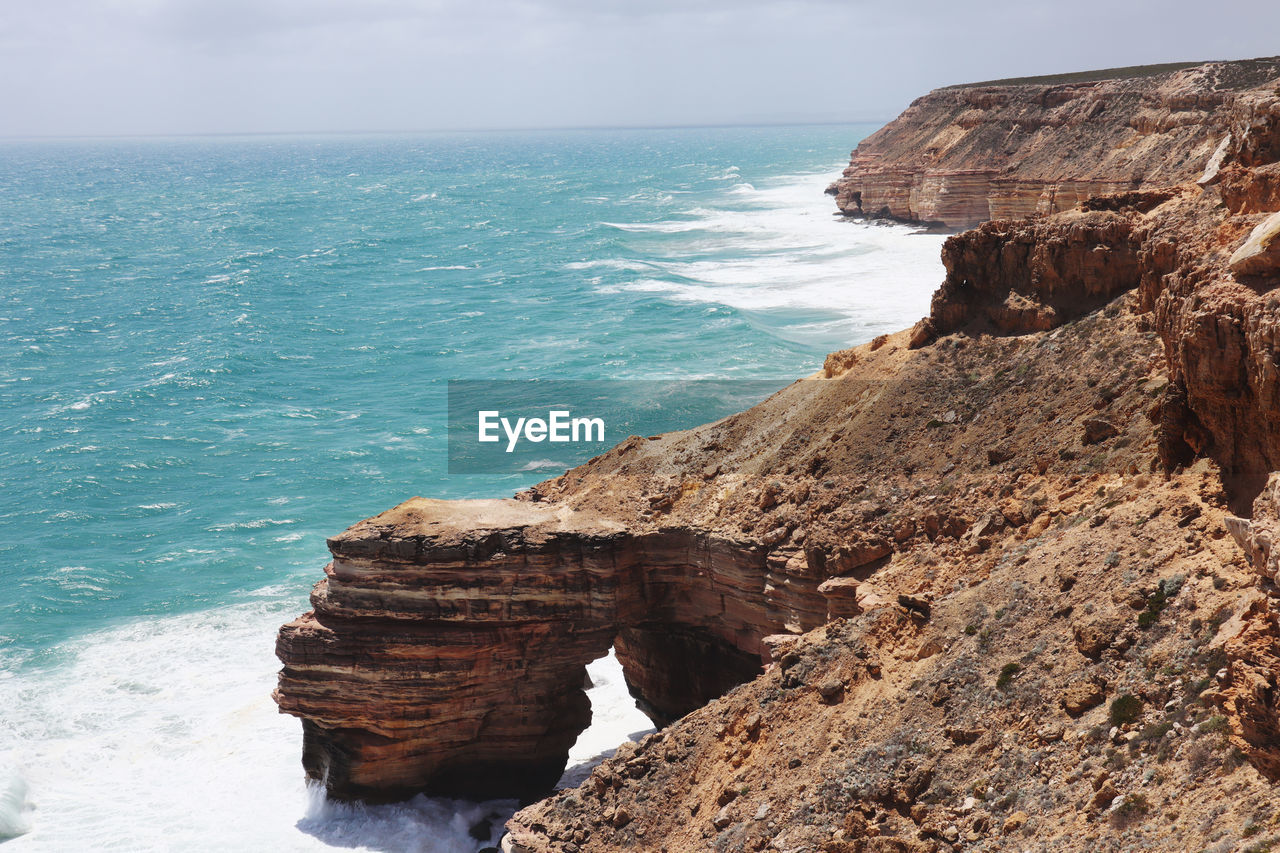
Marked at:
<point>1002,581</point>
<point>1009,149</point>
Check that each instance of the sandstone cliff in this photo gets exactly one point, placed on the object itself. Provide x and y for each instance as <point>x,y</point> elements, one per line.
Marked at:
<point>1006,579</point>
<point>1008,149</point>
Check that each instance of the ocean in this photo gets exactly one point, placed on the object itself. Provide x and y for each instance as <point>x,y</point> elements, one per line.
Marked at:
<point>215,352</point>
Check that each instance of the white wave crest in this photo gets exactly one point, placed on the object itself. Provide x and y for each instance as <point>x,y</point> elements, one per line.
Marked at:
<point>777,252</point>
<point>544,465</point>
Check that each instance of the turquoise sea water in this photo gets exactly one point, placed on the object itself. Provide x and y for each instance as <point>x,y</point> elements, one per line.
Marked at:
<point>216,352</point>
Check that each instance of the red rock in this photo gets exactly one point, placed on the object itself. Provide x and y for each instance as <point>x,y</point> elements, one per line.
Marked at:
<point>446,647</point>
<point>1032,276</point>
<point>963,155</point>
<point>922,334</point>
<point>1250,696</point>
<point>1083,695</point>
<point>1098,429</point>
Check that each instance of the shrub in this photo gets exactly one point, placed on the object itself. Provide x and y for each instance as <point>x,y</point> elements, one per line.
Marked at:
<point>1131,808</point>
<point>1167,589</point>
<point>1214,725</point>
<point>1200,758</point>
<point>1007,672</point>
<point>1155,731</point>
<point>1195,688</point>
<point>1125,709</point>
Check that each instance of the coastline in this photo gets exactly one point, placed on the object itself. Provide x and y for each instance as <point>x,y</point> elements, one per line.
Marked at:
<point>777,551</point>
<point>201,658</point>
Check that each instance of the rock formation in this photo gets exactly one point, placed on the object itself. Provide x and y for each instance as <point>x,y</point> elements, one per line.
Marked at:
<point>1259,256</point>
<point>1005,578</point>
<point>1250,691</point>
<point>1010,149</point>
<point>447,644</point>
<point>1032,275</point>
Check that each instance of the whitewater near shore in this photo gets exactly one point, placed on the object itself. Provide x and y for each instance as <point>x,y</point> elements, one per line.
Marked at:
<point>189,427</point>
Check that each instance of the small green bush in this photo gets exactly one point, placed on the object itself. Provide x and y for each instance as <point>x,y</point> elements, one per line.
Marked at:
<point>1216,724</point>
<point>1156,603</point>
<point>1007,672</point>
<point>1125,709</point>
<point>1131,808</point>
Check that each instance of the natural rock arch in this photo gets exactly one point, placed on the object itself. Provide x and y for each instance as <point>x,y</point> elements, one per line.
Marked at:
<point>446,649</point>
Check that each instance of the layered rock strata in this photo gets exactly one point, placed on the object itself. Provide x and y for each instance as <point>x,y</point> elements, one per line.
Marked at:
<point>1204,265</point>
<point>447,644</point>
<point>965,154</point>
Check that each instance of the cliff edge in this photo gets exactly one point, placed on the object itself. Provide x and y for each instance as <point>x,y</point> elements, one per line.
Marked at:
<point>1009,149</point>
<point>1002,580</point>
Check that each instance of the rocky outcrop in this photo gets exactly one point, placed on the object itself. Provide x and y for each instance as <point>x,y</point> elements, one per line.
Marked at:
<point>1259,535</point>
<point>447,644</point>
<point>1033,275</point>
<point>1259,255</point>
<point>1250,693</point>
<point>1250,690</point>
<point>965,154</point>
<point>1221,328</point>
<point>1202,259</point>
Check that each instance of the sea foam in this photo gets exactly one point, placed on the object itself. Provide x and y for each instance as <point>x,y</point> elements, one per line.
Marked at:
<point>13,801</point>
<point>162,735</point>
<point>777,253</point>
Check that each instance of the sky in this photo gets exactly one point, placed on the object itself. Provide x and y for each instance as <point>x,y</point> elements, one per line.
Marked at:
<point>141,67</point>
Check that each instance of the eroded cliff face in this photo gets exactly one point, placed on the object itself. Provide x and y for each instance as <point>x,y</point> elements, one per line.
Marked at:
<point>448,642</point>
<point>1202,261</point>
<point>1002,579</point>
<point>962,155</point>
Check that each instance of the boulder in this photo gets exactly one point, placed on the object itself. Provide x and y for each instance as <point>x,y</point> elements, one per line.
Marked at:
<point>923,333</point>
<point>1260,254</point>
<point>842,597</point>
<point>1082,695</point>
<point>1098,429</point>
<point>1094,636</point>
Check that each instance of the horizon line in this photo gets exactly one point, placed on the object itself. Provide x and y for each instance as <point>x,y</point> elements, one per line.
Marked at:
<point>37,137</point>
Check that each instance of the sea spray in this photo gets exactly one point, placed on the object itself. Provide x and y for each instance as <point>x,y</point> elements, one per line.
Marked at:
<point>14,808</point>
<point>421,824</point>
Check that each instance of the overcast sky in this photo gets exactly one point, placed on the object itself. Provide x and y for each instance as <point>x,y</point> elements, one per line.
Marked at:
<point>231,66</point>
